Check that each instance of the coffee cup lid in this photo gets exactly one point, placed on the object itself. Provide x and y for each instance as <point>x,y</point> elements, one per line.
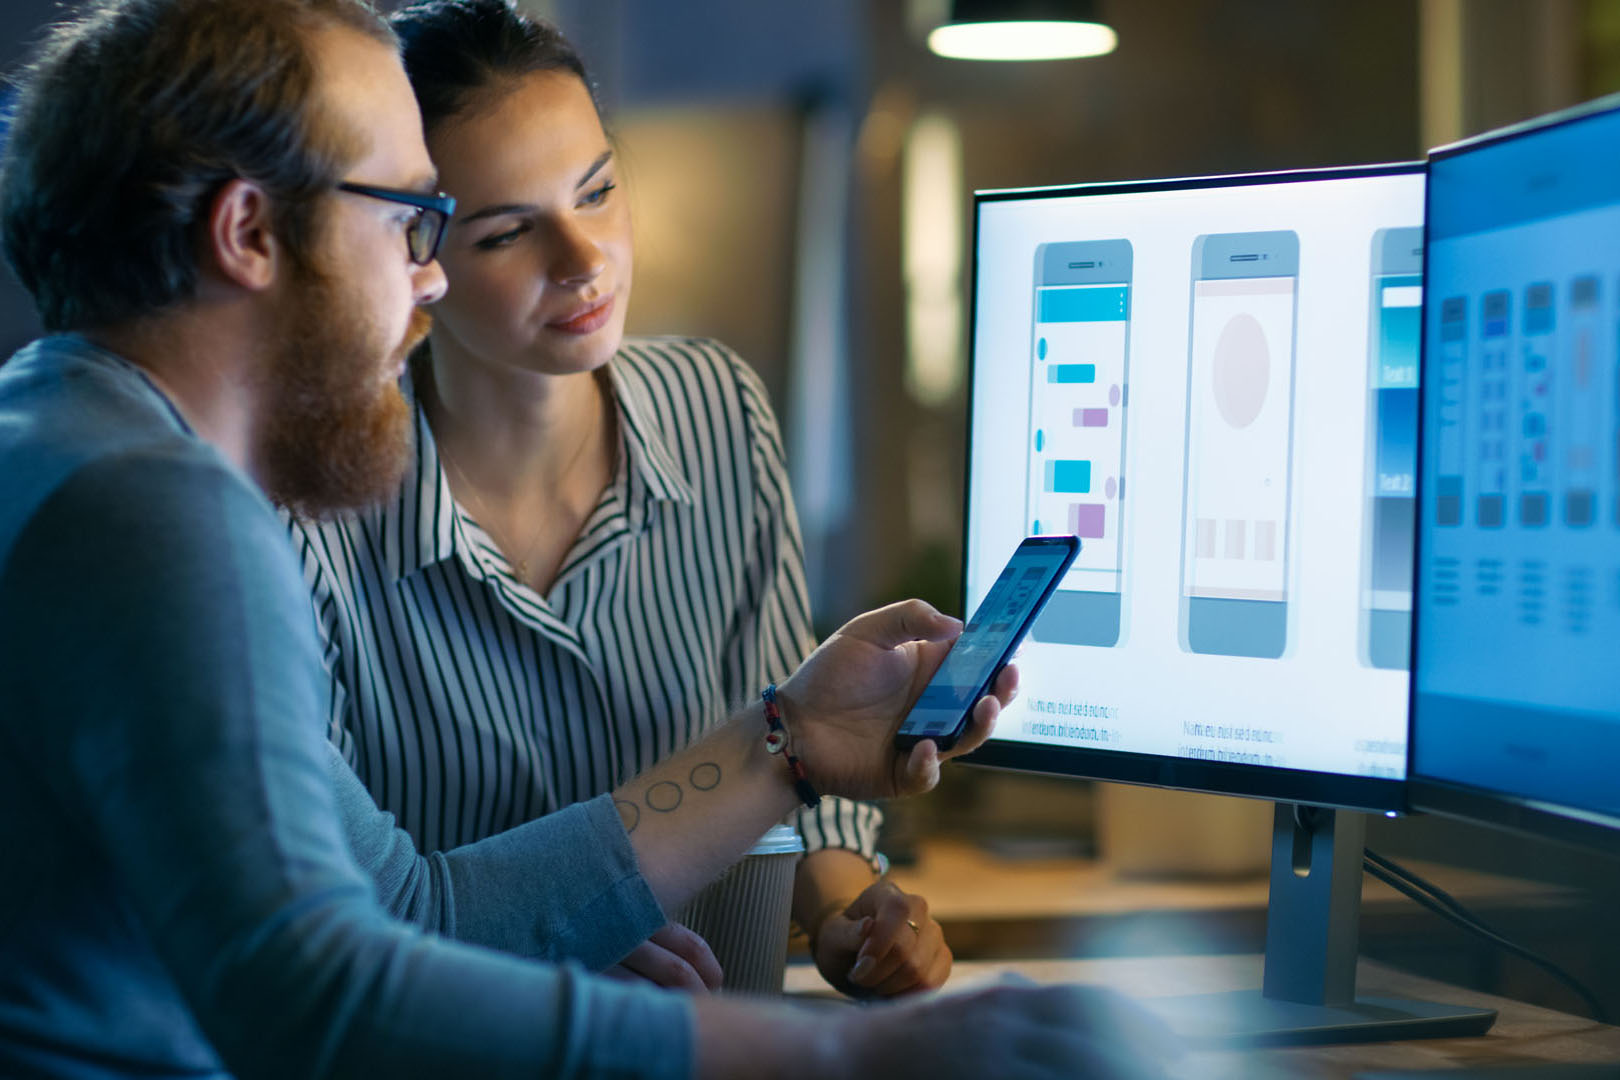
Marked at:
<point>779,840</point>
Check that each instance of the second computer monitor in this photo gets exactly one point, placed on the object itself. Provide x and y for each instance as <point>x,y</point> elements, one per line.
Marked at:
<point>1213,383</point>
<point>1516,710</point>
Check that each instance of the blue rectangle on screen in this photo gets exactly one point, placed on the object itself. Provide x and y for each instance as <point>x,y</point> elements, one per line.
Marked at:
<point>1068,477</point>
<point>1400,327</point>
<point>1071,373</point>
<point>1107,304</point>
<point>1397,442</point>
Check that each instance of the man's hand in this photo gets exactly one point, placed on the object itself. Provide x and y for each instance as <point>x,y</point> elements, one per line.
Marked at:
<point>883,944</point>
<point>1011,1032</point>
<point>1008,1032</point>
<point>674,958</point>
<point>846,701</point>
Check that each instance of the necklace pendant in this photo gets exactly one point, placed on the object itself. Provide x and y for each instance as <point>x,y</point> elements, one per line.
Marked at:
<point>522,571</point>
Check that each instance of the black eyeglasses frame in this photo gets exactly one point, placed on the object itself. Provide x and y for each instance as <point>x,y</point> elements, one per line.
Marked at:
<point>427,233</point>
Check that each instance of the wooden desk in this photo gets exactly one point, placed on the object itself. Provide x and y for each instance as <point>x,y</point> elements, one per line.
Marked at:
<point>1524,1034</point>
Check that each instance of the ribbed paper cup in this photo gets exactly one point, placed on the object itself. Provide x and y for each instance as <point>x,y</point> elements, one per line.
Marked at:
<point>744,914</point>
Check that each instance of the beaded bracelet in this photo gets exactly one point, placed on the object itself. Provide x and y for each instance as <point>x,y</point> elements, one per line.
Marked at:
<point>777,742</point>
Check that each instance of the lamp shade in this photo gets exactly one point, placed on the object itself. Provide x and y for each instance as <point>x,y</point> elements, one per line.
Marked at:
<point>1022,30</point>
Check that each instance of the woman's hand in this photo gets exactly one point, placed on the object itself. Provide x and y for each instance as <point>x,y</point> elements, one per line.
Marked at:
<point>674,958</point>
<point>883,944</point>
<point>845,703</point>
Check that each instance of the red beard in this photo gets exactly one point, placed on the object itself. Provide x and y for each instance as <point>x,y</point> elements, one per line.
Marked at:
<point>337,430</point>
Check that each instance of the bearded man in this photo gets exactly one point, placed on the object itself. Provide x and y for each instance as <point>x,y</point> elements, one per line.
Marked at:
<point>226,215</point>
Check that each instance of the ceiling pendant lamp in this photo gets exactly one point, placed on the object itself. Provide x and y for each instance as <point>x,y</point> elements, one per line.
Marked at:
<point>1022,30</point>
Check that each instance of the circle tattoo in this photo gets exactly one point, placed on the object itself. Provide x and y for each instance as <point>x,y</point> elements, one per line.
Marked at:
<point>664,796</point>
<point>629,814</point>
<point>706,777</point>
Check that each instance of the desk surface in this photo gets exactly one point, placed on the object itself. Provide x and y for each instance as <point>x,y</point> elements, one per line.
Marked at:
<point>1523,1034</point>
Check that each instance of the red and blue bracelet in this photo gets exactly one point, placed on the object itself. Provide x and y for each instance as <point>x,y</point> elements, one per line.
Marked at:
<point>777,742</point>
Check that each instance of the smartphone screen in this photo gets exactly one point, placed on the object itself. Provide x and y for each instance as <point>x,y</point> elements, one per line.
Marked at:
<point>1079,355</point>
<point>988,640</point>
<point>1240,389</point>
<point>1397,306</point>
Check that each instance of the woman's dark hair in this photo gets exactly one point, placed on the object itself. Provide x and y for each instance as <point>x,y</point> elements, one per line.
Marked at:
<point>130,120</point>
<point>457,50</point>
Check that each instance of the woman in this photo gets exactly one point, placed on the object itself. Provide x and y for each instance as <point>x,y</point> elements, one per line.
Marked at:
<point>595,554</point>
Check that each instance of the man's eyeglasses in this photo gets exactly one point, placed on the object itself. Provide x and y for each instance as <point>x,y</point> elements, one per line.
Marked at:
<point>426,233</point>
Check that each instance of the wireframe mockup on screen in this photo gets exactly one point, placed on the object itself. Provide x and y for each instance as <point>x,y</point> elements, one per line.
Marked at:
<point>1516,703</point>
<point>1213,384</point>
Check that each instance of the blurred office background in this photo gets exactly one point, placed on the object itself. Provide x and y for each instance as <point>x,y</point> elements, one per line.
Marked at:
<point>801,173</point>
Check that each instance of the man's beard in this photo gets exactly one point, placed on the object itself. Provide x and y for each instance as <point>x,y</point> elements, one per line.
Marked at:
<point>337,432</point>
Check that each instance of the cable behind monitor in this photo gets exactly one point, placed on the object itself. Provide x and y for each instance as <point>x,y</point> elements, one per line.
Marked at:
<point>1443,904</point>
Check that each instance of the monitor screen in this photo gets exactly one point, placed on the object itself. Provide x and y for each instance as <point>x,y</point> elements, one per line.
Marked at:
<point>1517,683</point>
<point>1213,384</point>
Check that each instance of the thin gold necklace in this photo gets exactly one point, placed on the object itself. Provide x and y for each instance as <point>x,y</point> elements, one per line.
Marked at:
<point>520,567</point>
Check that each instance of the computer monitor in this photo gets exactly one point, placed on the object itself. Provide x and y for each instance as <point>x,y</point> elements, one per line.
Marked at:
<point>1515,715</point>
<point>1213,383</point>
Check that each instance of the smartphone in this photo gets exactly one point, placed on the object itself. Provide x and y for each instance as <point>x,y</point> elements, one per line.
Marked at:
<point>1075,481</point>
<point>988,641</point>
<point>1239,448</point>
<point>1391,465</point>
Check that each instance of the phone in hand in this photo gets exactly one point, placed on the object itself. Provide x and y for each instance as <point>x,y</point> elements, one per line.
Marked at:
<point>988,641</point>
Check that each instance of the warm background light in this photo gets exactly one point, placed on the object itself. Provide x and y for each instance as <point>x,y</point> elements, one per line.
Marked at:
<point>1022,40</point>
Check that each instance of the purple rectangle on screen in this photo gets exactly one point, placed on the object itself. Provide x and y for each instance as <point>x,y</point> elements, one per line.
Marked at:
<point>1091,418</point>
<point>1086,520</point>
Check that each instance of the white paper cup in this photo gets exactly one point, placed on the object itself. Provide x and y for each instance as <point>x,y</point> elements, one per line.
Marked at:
<point>744,914</point>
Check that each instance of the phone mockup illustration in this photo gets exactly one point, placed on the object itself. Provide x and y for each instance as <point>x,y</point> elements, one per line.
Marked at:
<point>1581,402</point>
<point>1538,426</point>
<point>1075,482</point>
<point>1236,501</point>
<point>1395,325</point>
<point>988,641</point>
<point>1491,412</point>
<point>1452,394</point>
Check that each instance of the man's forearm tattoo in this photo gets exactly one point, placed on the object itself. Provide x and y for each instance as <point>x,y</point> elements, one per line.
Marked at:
<point>629,814</point>
<point>666,796</point>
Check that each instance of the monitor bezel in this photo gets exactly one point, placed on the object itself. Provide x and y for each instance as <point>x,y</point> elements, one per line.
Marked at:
<point>1338,790</point>
<point>1535,125</point>
<point>1576,826</point>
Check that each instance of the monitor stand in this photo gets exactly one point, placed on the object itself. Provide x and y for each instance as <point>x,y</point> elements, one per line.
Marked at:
<point>1312,921</point>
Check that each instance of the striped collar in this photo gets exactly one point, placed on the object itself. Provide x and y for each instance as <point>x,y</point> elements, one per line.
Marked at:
<point>425,525</point>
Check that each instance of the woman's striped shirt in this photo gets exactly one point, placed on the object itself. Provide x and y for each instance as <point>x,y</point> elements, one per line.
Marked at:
<point>469,704</point>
